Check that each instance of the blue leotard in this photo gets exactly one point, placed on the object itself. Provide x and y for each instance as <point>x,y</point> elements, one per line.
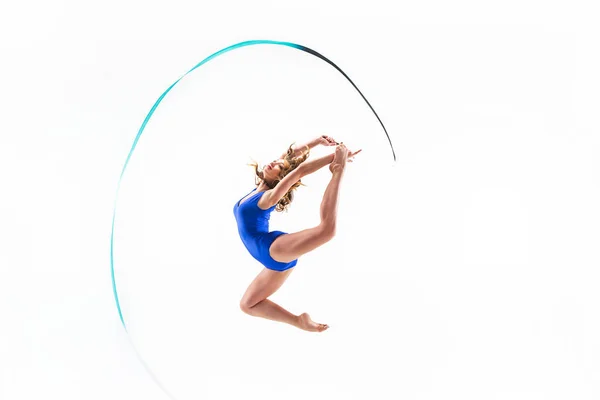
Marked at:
<point>253,227</point>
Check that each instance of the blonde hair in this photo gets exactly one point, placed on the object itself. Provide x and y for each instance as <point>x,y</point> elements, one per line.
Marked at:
<point>290,163</point>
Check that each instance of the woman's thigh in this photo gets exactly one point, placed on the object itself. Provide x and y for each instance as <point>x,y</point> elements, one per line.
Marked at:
<point>291,246</point>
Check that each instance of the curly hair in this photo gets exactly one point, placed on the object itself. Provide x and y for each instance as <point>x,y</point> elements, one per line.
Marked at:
<point>290,163</point>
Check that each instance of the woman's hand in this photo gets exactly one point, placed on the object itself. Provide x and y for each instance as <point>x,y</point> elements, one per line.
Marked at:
<point>327,141</point>
<point>351,155</point>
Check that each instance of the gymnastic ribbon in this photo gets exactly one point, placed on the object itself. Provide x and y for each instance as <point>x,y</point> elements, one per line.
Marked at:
<point>207,59</point>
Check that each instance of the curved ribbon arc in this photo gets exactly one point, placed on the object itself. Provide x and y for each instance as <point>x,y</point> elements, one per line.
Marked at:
<point>235,46</point>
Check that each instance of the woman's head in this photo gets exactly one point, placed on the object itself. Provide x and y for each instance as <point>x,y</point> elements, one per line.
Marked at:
<point>272,173</point>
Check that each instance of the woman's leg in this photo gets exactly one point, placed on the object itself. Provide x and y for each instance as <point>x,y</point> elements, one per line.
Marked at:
<point>291,246</point>
<point>255,302</point>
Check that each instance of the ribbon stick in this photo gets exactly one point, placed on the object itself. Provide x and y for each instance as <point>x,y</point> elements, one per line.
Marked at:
<point>154,107</point>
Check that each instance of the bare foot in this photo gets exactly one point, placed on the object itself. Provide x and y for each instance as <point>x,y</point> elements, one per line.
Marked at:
<point>307,324</point>
<point>339,159</point>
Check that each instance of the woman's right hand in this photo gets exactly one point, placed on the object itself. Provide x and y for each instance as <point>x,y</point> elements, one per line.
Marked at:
<point>327,140</point>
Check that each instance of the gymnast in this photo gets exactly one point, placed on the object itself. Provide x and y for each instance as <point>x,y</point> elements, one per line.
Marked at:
<point>279,251</point>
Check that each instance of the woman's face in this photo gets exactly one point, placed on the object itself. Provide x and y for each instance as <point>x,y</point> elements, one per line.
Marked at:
<point>272,170</point>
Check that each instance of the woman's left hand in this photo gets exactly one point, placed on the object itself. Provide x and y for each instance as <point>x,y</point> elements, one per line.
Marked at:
<point>351,155</point>
<point>327,141</point>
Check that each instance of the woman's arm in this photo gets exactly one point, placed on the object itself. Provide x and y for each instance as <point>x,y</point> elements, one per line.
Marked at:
<point>306,168</point>
<point>310,166</point>
<point>323,139</point>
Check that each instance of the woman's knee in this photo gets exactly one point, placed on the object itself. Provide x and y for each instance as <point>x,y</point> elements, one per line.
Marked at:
<point>246,306</point>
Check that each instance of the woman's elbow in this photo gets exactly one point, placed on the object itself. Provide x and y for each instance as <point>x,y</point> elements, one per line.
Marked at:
<point>302,171</point>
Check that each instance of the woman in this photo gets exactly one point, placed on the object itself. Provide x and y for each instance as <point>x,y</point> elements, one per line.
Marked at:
<point>279,251</point>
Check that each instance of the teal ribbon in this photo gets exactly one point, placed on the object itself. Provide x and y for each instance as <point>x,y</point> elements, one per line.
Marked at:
<point>155,106</point>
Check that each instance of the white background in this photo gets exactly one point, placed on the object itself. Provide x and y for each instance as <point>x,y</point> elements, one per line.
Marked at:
<point>483,287</point>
